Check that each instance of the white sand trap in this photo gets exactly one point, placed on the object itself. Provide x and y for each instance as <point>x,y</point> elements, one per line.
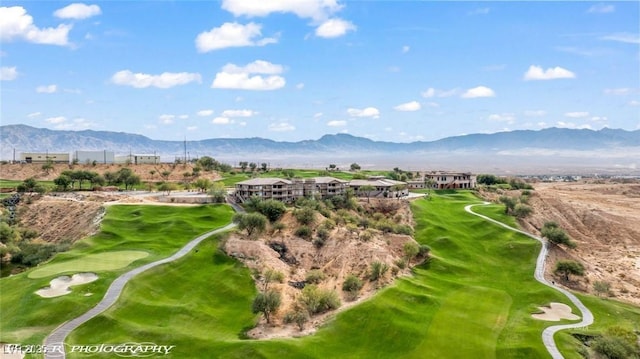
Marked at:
<point>555,312</point>
<point>9,353</point>
<point>60,285</point>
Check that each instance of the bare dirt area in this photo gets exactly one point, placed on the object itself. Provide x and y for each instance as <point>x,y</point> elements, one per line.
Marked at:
<point>344,253</point>
<point>604,221</point>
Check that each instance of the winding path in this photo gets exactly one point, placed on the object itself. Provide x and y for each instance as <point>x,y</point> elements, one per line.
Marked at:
<point>548,333</point>
<point>55,340</point>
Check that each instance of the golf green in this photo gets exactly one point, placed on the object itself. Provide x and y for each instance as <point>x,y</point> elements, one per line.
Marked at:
<point>90,263</point>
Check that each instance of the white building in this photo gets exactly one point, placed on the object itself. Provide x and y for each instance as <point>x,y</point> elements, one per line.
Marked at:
<point>94,156</point>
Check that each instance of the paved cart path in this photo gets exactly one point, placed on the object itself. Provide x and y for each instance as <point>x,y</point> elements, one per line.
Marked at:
<point>548,333</point>
<point>54,342</point>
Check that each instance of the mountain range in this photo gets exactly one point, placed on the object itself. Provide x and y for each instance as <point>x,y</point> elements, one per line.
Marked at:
<point>605,149</point>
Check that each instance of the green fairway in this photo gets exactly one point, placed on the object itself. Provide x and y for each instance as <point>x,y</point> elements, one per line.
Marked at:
<point>142,233</point>
<point>473,300</point>
<point>90,263</point>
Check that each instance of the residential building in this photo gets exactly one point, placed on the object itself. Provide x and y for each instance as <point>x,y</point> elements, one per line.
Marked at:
<point>451,180</point>
<point>268,188</point>
<point>379,187</point>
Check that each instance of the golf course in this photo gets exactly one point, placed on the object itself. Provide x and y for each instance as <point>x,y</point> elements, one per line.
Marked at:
<point>473,299</point>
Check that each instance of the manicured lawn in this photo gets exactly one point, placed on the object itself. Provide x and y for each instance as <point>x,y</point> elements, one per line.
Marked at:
<point>473,300</point>
<point>105,261</point>
<point>154,230</point>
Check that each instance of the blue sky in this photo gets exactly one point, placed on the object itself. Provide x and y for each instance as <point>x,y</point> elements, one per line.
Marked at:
<point>294,70</point>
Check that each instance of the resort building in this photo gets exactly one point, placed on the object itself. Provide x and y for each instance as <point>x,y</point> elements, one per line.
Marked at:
<point>450,180</point>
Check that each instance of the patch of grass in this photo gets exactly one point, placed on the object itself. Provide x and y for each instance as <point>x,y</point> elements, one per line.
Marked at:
<point>157,230</point>
<point>105,261</point>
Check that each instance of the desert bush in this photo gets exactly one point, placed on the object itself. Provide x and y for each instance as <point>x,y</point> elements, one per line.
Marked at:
<point>522,210</point>
<point>267,303</point>
<point>403,229</point>
<point>328,224</point>
<point>298,315</point>
<point>303,232</point>
<point>271,275</point>
<point>377,270</point>
<point>556,235</point>
<point>272,209</point>
<point>612,347</point>
<point>305,216</point>
<point>366,235</point>
<point>601,287</point>
<point>314,276</point>
<point>318,300</point>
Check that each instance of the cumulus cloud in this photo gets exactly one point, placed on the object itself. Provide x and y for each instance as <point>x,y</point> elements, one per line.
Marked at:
<point>47,89</point>
<point>577,114</point>
<point>552,73</point>
<point>509,118</point>
<point>55,120</point>
<point>337,123</point>
<point>409,106</point>
<point>625,37</point>
<point>432,92</point>
<point>599,119</point>
<point>601,9</point>
<point>334,28</point>
<point>281,127</point>
<point>232,34</point>
<point>572,125</point>
<point>371,112</point>
<point>8,73</point>
<point>77,11</point>
<point>312,9</point>
<point>477,92</point>
<point>166,119</point>
<point>204,113</point>
<point>633,103</point>
<point>163,81</point>
<point>221,121</point>
<point>242,78</point>
<point>16,24</point>
<point>238,113</point>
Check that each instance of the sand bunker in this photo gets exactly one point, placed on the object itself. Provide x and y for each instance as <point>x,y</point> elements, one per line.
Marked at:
<point>555,312</point>
<point>60,285</point>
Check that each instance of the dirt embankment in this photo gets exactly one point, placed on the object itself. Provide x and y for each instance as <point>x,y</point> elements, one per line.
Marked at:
<point>604,221</point>
<point>345,252</point>
<point>147,172</point>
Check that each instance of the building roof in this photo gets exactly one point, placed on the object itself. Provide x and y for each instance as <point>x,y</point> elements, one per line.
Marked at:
<point>376,183</point>
<point>263,181</point>
<point>328,180</point>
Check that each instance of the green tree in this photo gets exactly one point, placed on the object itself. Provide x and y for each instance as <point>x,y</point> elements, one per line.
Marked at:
<point>203,184</point>
<point>305,216</point>
<point>47,167</point>
<point>253,166</point>
<point>207,163</point>
<point>568,267</point>
<point>355,167</point>
<point>263,167</point>
<point>509,203</point>
<point>270,276</point>
<point>555,235</point>
<point>267,303</point>
<point>167,187</point>
<point>253,223</point>
<point>367,190</point>
<point>243,165</point>
<point>63,182</point>
<point>218,192</point>
<point>522,210</point>
<point>272,209</point>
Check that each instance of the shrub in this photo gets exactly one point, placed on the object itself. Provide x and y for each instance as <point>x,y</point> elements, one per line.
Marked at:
<point>377,270</point>
<point>552,232</point>
<point>299,315</point>
<point>328,224</point>
<point>305,216</point>
<point>278,227</point>
<point>253,223</point>
<point>270,276</point>
<point>601,287</point>
<point>403,229</point>
<point>267,303</point>
<point>522,210</point>
<point>400,263</point>
<point>303,232</point>
<point>318,300</point>
<point>567,267</point>
<point>366,235</point>
<point>272,209</point>
<point>424,250</point>
<point>314,276</point>
<point>612,347</point>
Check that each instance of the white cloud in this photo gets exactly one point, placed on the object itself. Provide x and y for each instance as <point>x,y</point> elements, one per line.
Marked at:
<point>599,119</point>
<point>236,77</point>
<point>577,114</point>
<point>552,73</point>
<point>204,113</point>
<point>408,106</point>
<point>535,113</point>
<point>337,123</point>
<point>334,28</point>
<point>221,121</point>
<point>432,92</point>
<point>477,92</point>
<point>601,9</point>
<point>47,89</point>
<point>618,91</point>
<point>312,9</point>
<point>365,112</point>
<point>232,34</point>
<point>166,119</point>
<point>480,11</point>
<point>625,37</point>
<point>163,81</point>
<point>633,103</point>
<point>34,114</point>
<point>572,125</point>
<point>238,113</point>
<point>509,118</point>
<point>78,11</point>
<point>183,117</point>
<point>300,86</point>
<point>281,127</point>
<point>317,115</point>
<point>8,73</point>
<point>15,23</point>
<point>405,49</point>
<point>55,120</point>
